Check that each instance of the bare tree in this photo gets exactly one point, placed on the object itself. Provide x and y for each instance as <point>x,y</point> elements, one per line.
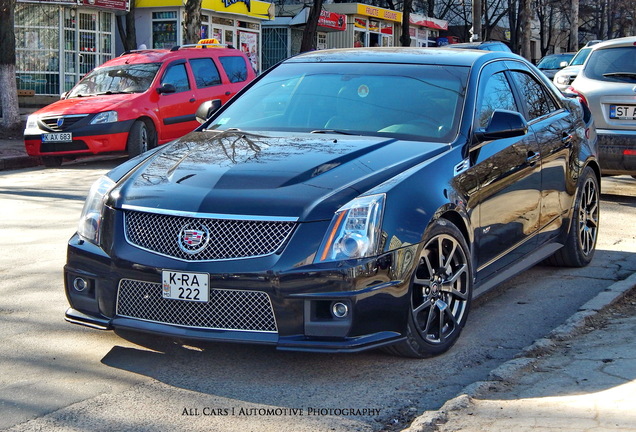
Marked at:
<point>574,29</point>
<point>525,18</point>
<point>127,32</point>
<point>405,37</point>
<point>308,42</point>
<point>9,94</point>
<point>192,22</point>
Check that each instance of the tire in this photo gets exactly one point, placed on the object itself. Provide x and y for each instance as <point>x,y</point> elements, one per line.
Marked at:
<point>52,161</point>
<point>580,244</point>
<point>441,293</point>
<point>140,139</point>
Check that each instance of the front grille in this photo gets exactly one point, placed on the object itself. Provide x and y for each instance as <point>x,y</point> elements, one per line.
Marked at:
<point>222,238</point>
<point>226,310</point>
<point>51,123</point>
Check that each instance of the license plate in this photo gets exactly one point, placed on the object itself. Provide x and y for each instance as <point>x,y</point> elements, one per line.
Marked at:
<point>57,137</point>
<point>623,112</point>
<point>186,286</point>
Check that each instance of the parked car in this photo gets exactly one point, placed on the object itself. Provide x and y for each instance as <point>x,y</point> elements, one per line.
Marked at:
<point>607,85</point>
<point>563,78</point>
<point>552,63</point>
<point>484,45</point>
<point>136,101</point>
<point>346,200</point>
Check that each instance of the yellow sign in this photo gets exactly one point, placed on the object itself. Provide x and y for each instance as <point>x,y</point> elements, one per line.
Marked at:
<point>385,14</point>
<point>251,8</point>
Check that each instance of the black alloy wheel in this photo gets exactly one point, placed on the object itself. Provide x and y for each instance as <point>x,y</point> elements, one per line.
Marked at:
<point>441,293</point>
<point>580,244</point>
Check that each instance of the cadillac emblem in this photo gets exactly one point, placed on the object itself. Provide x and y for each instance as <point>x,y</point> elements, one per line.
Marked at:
<point>193,240</point>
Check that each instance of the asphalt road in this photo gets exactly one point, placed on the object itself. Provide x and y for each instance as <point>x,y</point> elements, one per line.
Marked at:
<point>62,377</point>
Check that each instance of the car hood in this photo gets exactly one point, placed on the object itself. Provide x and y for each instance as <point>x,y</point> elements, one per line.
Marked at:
<point>86,105</point>
<point>234,173</point>
<point>570,70</point>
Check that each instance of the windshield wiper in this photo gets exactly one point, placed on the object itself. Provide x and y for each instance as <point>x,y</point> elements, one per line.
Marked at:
<point>331,131</point>
<point>110,92</point>
<point>620,74</point>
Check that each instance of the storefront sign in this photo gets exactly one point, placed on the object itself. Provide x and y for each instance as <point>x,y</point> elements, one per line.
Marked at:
<point>385,14</point>
<point>332,20</point>
<point>251,8</point>
<point>122,5</point>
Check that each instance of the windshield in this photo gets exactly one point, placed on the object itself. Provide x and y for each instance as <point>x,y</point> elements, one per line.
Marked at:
<point>580,57</point>
<point>554,61</point>
<point>613,64</point>
<point>133,78</point>
<point>409,101</point>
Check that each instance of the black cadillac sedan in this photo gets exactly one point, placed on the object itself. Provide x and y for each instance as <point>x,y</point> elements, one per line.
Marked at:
<point>345,200</point>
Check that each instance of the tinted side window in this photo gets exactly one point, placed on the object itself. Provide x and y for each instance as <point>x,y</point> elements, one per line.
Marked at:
<point>539,104</point>
<point>177,76</point>
<point>497,94</point>
<point>205,72</point>
<point>235,68</point>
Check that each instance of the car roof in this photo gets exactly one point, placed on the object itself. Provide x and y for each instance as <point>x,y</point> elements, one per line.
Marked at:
<point>413,55</point>
<point>163,55</point>
<point>624,41</point>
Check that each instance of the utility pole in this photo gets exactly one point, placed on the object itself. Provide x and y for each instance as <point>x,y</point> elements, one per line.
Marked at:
<point>476,30</point>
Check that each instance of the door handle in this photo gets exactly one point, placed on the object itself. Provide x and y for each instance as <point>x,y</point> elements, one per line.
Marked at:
<point>533,157</point>
<point>227,93</point>
<point>193,100</point>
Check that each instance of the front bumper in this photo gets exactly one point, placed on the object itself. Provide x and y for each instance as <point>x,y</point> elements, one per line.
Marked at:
<point>617,151</point>
<point>375,291</point>
<point>87,140</point>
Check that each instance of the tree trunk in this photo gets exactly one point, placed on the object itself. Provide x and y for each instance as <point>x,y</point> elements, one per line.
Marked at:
<point>405,37</point>
<point>525,17</point>
<point>311,27</point>
<point>574,30</point>
<point>9,94</point>
<point>128,33</point>
<point>192,22</point>
<point>477,12</point>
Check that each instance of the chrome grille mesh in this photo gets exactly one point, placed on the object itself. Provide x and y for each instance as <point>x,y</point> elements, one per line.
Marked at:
<point>228,239</point>
<point>68,121</point>
<point>226,310</point>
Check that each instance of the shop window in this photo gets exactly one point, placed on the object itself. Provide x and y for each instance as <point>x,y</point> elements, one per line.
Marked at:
<point>164,29</point>
<point>205,72</point>
<point>235,68</point>
<point>177,76</point>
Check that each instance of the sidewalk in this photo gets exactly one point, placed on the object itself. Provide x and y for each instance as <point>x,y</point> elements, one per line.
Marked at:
<point>581,378</point>
<point>13,155</point>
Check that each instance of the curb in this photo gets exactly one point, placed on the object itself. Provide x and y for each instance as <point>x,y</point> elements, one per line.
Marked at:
<point>16,162</point>
<point>508,371</point>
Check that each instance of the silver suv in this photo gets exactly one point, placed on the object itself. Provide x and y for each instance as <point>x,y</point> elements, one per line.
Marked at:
<point>607,84</point>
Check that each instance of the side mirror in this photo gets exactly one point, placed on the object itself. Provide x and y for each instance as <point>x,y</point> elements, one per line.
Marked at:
<point>206,109</point>
<point>503,124</point>
<point>166,88</point>
<point>64,95</point>
<point>563,64</point>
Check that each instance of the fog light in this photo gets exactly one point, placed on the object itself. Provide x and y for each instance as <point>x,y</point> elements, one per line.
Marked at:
<point>339,310</point>
<point>80,284</point>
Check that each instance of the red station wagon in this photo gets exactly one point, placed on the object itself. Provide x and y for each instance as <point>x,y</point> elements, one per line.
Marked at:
<point>136,101</point>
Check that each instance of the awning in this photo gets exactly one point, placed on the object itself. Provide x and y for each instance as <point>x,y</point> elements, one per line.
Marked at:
<point>328,21</point>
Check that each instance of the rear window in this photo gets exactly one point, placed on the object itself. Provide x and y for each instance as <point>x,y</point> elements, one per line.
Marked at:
<point>612,64</point>
<point>205,72</point>
<point>235,68</point>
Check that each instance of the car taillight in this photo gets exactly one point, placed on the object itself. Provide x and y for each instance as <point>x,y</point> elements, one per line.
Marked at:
<point>578,94</point>
<point>629,152</point>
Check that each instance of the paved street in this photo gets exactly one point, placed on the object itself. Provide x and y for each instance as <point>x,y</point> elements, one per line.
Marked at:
<point>57,376</point>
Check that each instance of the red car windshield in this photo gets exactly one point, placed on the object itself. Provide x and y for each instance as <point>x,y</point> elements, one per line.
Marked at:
<point>133,78</point>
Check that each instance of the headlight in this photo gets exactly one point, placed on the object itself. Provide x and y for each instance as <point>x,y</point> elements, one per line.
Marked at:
<point>105,117</point>
<point>562,79</point>
<point>354,231</point>
<point>91,218</point>
<point>32,122</point>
